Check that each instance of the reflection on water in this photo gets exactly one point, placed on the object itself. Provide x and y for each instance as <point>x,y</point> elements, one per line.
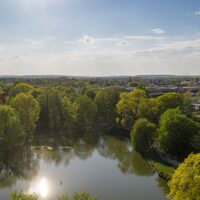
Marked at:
<point>104,165</point>
<point>40,187</point>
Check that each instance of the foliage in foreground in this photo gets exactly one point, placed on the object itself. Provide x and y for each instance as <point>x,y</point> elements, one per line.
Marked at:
<point>185,183</point>
<point>76,196</point>
<point>22,196</point>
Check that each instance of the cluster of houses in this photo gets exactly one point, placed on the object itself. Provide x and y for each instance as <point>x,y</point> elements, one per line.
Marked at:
<point>157,91</point>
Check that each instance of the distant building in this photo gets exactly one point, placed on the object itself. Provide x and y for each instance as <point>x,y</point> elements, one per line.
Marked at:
<point>130,88</point>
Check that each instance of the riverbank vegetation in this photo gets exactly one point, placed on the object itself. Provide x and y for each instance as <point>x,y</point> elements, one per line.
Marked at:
<point>164,127</point>
<point>76,196</point>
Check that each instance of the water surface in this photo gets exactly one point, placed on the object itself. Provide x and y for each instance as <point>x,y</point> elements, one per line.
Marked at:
<point>106,166</point>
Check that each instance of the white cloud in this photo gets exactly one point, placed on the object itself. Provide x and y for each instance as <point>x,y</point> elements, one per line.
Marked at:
<point>144,37</point>
<point>89,55</point>
<point>197,13</point>
<point>158,30</point>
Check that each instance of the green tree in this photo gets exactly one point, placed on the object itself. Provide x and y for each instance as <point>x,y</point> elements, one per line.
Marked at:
<point>91,93</point>
<point>174,100</point>
<point>176,132</point>
<point>28,111</point>
<point>85,112</point>
<point>143,135</point>
<point>185,183</point>
<point>1,90</point>
<point>187,104</point>
<point>51,103</point>
<point>21,88</point>
<point>106,101</point>
<point>10,128</point>
<point>69,111</point>
<point>196,142</point>
<point>148,109</point>
<point>128,107</point>
<point>2,97</point>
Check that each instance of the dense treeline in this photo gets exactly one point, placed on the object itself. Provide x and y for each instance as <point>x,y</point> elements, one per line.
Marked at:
<point>165,124</point>
<point>77,109</point>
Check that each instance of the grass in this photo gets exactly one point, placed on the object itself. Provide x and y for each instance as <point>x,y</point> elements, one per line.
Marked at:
<point>166,169</point>
<point>76,196</point>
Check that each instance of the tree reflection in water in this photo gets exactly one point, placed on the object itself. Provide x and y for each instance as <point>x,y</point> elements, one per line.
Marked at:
<point>129,161</point>
<point>24,164</point>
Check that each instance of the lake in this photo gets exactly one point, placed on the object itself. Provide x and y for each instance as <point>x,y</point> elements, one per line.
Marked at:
<point>103,165</point>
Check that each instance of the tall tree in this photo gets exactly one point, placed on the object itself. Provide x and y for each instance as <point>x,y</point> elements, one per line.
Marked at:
<point>85,112</point>
<point>128,107</point>
<point>106,101</point>
<point>50,101</point>
<point>10,128</point>
<point>28,111</point>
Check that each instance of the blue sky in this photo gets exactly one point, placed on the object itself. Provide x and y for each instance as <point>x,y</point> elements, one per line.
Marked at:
<point>99,37</point>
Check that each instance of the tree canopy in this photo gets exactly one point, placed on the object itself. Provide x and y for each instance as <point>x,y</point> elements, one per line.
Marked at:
<point>127,107</point>
<point>10,129</point>
<point>148,109</point>
<point>1,90</point>
<point>173,100</point>
<point>85,112</point>
<point>176,132</point>
<point>21,88</point>
<point>28,111</point>
<point>106,101</point>
<point>142,135</point>
<point>185,183</point>
<point>50,101</point>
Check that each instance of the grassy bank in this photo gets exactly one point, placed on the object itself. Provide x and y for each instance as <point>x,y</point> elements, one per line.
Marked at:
<point>163,169</point>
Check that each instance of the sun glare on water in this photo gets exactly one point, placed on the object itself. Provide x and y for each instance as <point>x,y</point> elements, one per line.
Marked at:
<point>40,188</point>
<point>43,187</point>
